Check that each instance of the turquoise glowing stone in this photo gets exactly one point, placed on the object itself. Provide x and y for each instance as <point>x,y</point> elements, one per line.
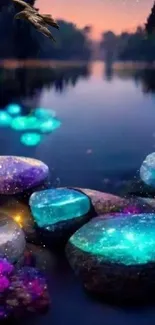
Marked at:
<point>115,257</point>
<point>147,170</point>
<point>5,119</point>
<point>23,123</point>
<point>13,109</point>
<point>124,239</point>
<point>30,139</point>
<point>49,125</point>
<point>58,205</point>
<point>43,113</point>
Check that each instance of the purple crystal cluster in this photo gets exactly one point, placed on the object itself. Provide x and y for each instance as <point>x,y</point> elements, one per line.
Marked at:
<point>21,291</point>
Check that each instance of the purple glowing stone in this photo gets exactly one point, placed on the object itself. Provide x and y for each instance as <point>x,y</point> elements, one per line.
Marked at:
<point>5,267</point>
<point>4,313</point>
<point>4,283</point>
<point>18,174</point>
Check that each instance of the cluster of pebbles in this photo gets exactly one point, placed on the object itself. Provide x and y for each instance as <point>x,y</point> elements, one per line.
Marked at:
<point>109,240</point>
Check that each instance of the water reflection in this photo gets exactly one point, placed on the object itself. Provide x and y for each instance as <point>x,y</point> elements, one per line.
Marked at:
<point>142,75</point>
<point>17,84</point>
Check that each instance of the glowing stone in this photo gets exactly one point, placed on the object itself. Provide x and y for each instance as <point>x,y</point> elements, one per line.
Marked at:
<point>13,109</point>
<point>22,123</point>
<point>5,119</point>
<point>30,139</point>
<point>21,214</point>
<point>59,208</point>
<point>43,113</point>
<point>49,125</point>
<point>12,239</point>
<point>19,173</point>
<point>147,170</point>
<point>114,255</point>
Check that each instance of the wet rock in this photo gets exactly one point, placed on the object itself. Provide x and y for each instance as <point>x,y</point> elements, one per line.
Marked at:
<point>12,239</point>
<point>104,203</point>
<point>147,170</point>
<point>19,174</point>
<point>21,214</point>
<point>115,256</point>
<point>59,212</point>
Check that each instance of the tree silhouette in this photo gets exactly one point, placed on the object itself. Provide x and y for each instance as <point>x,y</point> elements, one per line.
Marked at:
<point>150,24</point>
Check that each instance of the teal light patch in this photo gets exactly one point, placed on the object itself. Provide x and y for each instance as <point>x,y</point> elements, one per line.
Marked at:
<point>5,119</point>
<point>13,109</point>
<point>125,239</point>
<point>42,113</point>
<point>23,123</point>
<point>49,125</point>
<point>30,139</point>
<point>147,170</point>
<point>56,205</point>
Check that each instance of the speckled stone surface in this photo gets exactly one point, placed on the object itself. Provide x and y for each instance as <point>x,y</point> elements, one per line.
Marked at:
<point>18,174</point>
<point>20,213</point>
<point>104,203</point>
<point>115,257</point>
<point>12,239</point>
<point>147,170</point>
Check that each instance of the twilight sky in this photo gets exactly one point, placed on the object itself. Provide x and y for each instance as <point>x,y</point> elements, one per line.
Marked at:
<point>116,15</point>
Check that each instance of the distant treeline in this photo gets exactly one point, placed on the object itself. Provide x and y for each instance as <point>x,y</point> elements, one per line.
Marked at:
<point>20,40</point>
<point>137,46</point>
<point>128,46</point>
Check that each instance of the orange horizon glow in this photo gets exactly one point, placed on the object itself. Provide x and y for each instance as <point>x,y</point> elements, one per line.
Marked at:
<point>102,15</point>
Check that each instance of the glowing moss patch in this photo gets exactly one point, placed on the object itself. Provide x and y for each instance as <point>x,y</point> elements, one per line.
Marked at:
<point>55,205</point>
<point>13,109</point>
<point>43,113</point>
<point>30,139</point>
<point>22,123</point>
<point>125,239</point>
<point>49,125</point>
<point>5,119</point>
<point>147,170</point>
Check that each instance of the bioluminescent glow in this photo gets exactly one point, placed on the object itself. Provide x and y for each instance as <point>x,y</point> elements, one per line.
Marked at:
<point>49,125</point>
<point>40,120</point>
<point>43,113</point>
<point>13,109</point>
<point>30,139</point>
<point>55,205</point>
<point>24,123</point>
<point>5,119</point>
<point>124,239</point>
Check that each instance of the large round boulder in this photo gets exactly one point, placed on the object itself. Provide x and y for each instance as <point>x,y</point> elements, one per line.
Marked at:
<point>115,256</point>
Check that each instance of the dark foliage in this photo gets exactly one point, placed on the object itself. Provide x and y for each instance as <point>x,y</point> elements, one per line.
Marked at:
<point>20,40</point>
<point>150,25</point>
<point>129,46</point>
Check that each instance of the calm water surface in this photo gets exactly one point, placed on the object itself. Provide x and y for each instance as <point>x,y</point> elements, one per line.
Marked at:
<point>108,121</point>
